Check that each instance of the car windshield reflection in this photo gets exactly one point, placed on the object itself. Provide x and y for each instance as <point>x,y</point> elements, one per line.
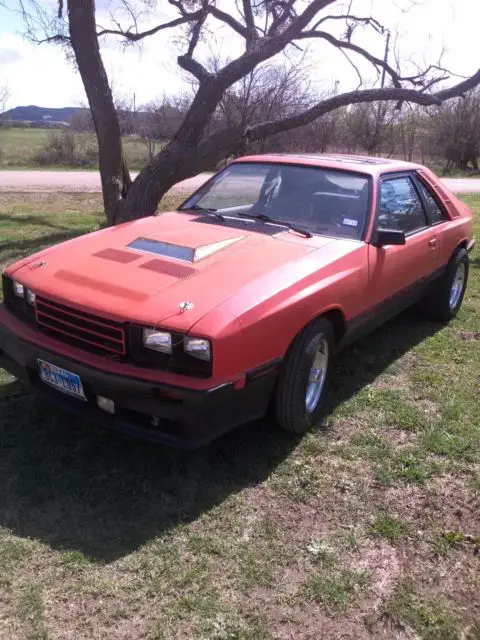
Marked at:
<point>320,200</point>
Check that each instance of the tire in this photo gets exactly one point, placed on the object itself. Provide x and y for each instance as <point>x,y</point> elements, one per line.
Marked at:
<point>295,411</point>
<point>445,299</point>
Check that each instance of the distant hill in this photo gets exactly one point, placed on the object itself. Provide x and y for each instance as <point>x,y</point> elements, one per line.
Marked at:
<point>33,113</point>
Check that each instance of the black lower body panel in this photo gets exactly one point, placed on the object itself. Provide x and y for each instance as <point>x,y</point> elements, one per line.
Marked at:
<point>179,417</point>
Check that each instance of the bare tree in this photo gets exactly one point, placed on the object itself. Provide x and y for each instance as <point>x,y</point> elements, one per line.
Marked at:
<point>267,28</point>
<point>82,121</point>
<point>409,130</point>
<point>455,132</point>
<point>149,127</point>
<point>4,98</point>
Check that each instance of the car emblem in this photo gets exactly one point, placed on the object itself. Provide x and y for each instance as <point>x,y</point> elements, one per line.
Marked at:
<point>186,306</point>
<point>36,265</point>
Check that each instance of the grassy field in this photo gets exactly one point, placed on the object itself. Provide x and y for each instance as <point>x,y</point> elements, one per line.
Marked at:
<point>368,528</point>
<point>19,147</point>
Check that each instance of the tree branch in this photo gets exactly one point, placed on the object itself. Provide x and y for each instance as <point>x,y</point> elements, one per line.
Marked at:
<point>460,89</point>
<point>372,22</point>
<point>251,34</point>
<point>187,63</point>
<point>266,129</point>
<point>282,17</point>
<point>58,37</point>
<point>196,29</point>
<point>228,19</point>
<point>135,36</point>
<point>342,44</point>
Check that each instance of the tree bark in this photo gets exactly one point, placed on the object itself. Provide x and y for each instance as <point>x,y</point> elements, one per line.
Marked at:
<point>177,161</point>
<point>113,167</point>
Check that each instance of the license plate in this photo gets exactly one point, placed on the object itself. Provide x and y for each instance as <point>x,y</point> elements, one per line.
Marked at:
<point>61,379</point>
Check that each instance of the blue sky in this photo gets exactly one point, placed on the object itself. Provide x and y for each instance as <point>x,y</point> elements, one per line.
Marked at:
<point>42,75</point>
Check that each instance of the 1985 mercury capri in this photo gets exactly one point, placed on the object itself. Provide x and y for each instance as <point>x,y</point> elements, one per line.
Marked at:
<point>180,326</point>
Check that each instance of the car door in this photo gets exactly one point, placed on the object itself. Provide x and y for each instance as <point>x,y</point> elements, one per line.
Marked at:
<point>397,273</point>
<point>438,217</point>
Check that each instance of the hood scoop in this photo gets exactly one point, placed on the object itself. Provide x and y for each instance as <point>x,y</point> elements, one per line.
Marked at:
<point>179,252</point>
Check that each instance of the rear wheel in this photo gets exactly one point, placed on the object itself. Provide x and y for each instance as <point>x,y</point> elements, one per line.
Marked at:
<point>445,299</point>
<point>301,389</point>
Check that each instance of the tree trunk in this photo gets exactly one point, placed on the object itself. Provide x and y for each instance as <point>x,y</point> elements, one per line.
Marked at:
<point>113,167</point>
<point>177,161</point>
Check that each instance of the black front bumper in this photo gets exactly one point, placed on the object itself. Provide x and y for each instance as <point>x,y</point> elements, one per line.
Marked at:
<point>184,417</point>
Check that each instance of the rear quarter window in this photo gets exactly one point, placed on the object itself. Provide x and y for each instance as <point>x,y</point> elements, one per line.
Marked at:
<point>434,210</point>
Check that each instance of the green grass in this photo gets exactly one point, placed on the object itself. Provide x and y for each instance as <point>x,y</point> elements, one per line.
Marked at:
<point>388,527</point>
<point>336,591</point>
<point>431,619</point>
<point>367,526</point>
<point>19,147</point>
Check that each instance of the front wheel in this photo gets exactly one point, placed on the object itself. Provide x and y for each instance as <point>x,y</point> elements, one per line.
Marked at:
<point>300,392</point>
<point>445,300</point>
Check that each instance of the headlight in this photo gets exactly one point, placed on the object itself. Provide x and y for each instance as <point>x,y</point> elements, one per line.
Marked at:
<point>30,297</point>
<point>198,347</point>
<point>157,340</point>
<point>18,289</point>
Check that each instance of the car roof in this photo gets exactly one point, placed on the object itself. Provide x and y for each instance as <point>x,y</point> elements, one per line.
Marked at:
<point>370,165</point>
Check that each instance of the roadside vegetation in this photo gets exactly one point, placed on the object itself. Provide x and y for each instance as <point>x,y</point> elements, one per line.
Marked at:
<point>447,139</point>
<point>28,148</point>
<point>366,528</point>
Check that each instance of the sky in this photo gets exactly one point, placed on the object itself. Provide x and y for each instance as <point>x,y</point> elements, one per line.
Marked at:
<point>42,75</point>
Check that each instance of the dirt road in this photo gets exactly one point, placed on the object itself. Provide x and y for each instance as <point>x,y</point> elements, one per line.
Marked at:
<point>73,181</point>
<point>89,181</point>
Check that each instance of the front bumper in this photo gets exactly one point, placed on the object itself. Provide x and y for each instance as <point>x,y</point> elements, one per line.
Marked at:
<point>186,418</point>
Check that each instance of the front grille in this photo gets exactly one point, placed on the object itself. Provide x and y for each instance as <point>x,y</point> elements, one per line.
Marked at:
<point>81,329</point>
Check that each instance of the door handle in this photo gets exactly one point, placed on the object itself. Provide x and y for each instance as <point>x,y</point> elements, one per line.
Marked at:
<point>432,243</point>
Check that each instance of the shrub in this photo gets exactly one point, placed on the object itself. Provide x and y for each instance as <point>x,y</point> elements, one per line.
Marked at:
<point>65,148</point>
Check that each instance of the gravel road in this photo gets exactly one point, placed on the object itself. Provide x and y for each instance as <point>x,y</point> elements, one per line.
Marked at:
<point>89,181</point>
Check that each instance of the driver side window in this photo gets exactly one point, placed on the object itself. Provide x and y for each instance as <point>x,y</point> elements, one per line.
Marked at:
<point>400,206</point>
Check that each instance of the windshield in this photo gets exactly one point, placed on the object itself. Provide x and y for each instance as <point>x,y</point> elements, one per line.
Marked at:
<point>323,201</point>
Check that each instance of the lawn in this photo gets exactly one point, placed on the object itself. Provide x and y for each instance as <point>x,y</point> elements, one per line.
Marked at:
<point>18,148</point>
<point>367,528</point>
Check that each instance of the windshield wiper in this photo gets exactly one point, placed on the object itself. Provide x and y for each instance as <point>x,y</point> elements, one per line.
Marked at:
<point>264,218</point>
<point>206,211</point>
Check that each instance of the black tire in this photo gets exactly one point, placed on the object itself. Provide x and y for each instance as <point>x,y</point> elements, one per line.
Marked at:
<point>437,304</point>
<point>290,395</point>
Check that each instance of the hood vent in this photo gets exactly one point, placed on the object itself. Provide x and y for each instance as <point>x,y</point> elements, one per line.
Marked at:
<point>245,225</point>
<point>116,255</point>
<point>178,271</point>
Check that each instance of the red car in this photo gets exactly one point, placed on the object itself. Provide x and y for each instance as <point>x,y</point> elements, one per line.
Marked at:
<point>179,327</point>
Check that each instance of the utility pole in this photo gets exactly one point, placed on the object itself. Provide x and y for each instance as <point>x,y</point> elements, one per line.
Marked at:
<point>385,58</point>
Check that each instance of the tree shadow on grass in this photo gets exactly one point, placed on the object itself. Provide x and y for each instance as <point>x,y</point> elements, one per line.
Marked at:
<point>11,250</point>
<point>74,485</point>
<point>36,220</point>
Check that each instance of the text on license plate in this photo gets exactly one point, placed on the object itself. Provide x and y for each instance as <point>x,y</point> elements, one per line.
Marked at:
<point>61,379</point>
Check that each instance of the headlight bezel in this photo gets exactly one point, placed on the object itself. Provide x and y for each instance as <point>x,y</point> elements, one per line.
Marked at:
<point>18,289</point>
<point>198,347</point>
<point>164,346</point>
<point>18,305</point>
<point>178,361</point>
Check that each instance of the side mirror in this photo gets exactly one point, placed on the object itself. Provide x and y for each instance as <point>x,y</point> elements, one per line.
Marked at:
<point>384,237</point>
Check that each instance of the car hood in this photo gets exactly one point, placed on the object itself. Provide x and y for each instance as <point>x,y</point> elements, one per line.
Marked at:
<point>146,269</point>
